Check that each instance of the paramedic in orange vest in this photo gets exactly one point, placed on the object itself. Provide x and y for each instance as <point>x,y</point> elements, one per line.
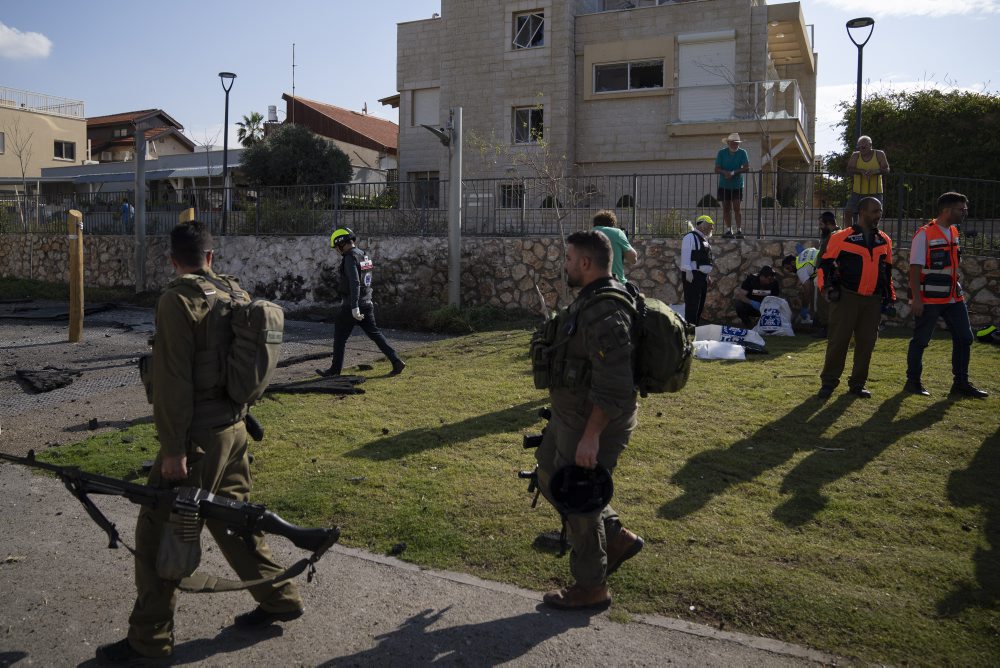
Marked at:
<point>936,292</point>
<point>857,278</point>
<point>866,167</point>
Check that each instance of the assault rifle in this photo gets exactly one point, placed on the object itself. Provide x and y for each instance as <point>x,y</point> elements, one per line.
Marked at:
<point>241,518</point>
<point>529,441</point>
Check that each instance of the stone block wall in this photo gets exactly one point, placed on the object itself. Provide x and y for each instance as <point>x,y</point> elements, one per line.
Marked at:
<point>504,272</point>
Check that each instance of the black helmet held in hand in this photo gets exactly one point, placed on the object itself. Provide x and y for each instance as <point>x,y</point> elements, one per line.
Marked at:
<point>576,490</point>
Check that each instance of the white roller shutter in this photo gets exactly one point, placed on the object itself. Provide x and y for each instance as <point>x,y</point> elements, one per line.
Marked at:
<point>706,74</point>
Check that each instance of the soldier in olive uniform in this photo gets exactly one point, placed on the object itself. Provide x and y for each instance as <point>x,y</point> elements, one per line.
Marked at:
<point>593,399</point>
<point>203,443</point>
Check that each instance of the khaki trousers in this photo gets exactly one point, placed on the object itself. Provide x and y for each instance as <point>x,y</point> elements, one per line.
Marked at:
<point>588,534</point>
<point>217,461</point>
<point>857,316</point>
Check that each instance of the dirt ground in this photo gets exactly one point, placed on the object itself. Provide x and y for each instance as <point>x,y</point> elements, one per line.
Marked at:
<point>63,593</point>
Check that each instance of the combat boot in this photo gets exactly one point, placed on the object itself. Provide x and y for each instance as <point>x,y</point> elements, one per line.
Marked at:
<point>579,597</point>
<point>625,546</point>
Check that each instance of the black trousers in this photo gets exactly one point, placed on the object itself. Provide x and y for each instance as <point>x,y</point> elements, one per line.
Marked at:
<point>344,325</point>
<point>694,296</point>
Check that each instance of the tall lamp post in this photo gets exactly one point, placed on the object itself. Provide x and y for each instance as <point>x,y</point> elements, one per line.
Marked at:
<point>859,24</point>
<point>227,82</point>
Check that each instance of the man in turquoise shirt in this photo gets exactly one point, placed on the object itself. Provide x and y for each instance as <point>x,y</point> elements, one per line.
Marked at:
<point>606,222</point>
<point>730,164</point>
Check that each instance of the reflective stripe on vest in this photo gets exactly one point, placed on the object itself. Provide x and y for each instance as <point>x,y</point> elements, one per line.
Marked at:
<point>851,241</point>
<point>939,275</point>
<point>808,256</point>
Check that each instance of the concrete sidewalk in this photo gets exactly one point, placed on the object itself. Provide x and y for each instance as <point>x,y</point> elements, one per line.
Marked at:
<point>64,594</point>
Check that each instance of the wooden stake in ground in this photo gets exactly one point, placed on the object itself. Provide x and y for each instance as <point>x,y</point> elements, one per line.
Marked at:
<point>74,227</point>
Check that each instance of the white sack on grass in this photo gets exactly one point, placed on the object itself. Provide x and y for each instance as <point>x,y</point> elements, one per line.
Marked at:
<point>728,334</point>
<point>775,317</point>
<point>719,350</point>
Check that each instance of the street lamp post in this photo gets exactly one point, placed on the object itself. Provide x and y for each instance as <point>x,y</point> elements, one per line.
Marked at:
<point>859,23</point>
<point>227,82</point>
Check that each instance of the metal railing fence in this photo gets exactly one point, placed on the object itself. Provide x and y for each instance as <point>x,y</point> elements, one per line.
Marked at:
<point>774,205</point>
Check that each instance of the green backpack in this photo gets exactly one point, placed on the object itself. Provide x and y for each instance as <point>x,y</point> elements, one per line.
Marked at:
<point>664,343</point>
<point>258,329</point>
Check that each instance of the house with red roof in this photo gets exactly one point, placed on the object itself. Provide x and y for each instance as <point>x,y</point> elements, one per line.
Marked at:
<point>371,143</point>
<point>112,138</point>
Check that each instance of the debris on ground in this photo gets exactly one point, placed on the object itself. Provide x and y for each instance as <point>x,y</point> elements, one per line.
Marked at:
<point>47,379</point>
<point>331,385</point>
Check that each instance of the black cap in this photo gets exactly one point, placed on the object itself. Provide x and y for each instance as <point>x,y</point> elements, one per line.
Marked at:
<point>788,259</point>
<point>828,215</point>
<point>766,270</point>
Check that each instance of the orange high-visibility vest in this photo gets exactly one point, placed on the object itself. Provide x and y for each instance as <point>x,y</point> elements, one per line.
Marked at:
<point>860,268</point>
<point>939,275</point>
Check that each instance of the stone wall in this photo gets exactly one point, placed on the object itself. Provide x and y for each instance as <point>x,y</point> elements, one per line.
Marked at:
<point>300,271</point>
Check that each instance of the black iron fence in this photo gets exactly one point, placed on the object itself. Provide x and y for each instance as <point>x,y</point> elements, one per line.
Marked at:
<point>781,205</point>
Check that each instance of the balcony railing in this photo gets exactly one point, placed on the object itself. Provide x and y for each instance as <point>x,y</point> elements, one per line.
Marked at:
<point>41,103</point>
<point>748,100</point>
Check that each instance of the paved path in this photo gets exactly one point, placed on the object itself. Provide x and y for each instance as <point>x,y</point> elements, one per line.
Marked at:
<point>63,593</point>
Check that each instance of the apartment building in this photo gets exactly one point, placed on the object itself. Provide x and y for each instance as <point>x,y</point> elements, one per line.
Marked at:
<point>610,87</point>
<point>38,131</point>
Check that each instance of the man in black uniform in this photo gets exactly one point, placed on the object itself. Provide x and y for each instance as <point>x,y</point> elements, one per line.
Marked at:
<point>753,291</point>
<point>355,289</point>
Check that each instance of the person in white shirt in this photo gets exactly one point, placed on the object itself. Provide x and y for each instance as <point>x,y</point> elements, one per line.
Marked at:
<point>696,265</point>
<point>936,292</point>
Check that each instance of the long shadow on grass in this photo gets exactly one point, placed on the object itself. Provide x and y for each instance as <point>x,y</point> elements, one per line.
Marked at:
<point>485,644</point>
<point>417,440</point>
<point>848,451</point>
<point>977,485</point>
<point>712,472</point>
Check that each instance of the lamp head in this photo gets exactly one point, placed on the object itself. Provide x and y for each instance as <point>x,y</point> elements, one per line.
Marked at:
<point>861,22</point>
<point>227,80</point>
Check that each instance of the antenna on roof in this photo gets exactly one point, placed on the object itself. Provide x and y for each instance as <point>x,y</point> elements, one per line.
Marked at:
<point>364,109</point>
<point>293,83</point>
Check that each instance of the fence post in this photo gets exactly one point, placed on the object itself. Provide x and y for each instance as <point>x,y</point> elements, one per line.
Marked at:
<point>74,238</point>
<point>524,204</point>
<point>900,195</point>
<point>635,204</point>
<point>256,213</point>
<point>336,205</point>
<point>760,206</point>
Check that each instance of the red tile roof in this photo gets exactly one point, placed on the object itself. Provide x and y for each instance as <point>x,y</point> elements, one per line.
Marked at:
<point>132,117</point>
<point>379,130</point>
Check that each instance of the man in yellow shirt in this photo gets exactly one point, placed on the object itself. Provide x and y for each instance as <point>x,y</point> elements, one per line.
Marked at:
<point>865,167</point>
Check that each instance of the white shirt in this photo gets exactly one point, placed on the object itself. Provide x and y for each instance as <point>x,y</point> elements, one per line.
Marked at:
<point>687,245</point>
<point>918,248</point>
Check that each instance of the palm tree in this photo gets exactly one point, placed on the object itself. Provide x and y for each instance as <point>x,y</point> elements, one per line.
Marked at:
<point>251,129</point>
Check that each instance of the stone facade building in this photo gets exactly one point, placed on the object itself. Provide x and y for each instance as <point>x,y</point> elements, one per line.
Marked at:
<point>607,87</point>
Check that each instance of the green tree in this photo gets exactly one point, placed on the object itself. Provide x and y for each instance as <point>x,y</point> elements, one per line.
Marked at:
<point>251,129</point>
<point>955,133</point>
<point>293,155</point>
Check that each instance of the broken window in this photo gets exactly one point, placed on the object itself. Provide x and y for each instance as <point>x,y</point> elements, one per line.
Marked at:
<point>528,125</point>
<point>637,75</point>
<point>529,30</point>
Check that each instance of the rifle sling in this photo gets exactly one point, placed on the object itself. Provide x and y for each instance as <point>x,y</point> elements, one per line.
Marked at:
<point>202,583</point>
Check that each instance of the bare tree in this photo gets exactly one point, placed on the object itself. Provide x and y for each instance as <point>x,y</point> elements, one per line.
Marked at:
<point>550,169</point>
<point>18,141</point>
<point>207,143</point>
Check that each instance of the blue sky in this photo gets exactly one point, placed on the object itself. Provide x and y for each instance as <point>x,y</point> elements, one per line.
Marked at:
<point>122,56</point>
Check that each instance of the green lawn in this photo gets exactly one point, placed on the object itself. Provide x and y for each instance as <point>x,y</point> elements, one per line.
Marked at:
<point>870,529</point>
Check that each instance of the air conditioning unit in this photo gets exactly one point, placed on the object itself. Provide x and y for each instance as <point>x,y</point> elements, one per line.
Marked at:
<point>106,156</point>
